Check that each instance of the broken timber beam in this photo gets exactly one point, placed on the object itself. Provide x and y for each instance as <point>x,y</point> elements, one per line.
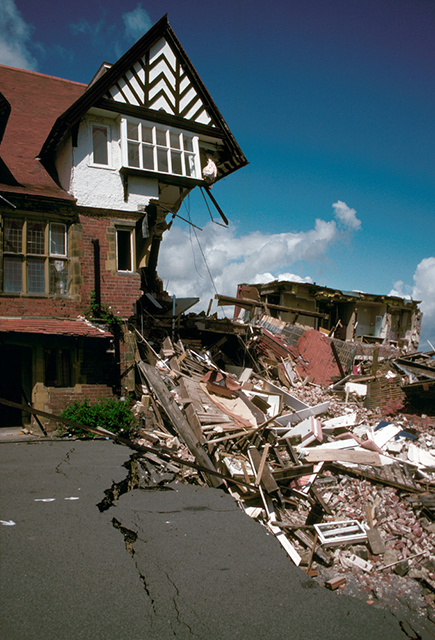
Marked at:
<point>177,419</point>
<point>248,303</point>
<point>267,480</point>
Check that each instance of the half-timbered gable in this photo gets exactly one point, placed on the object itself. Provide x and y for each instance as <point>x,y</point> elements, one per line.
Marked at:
<point>159,81</point>
<point>147,118</point>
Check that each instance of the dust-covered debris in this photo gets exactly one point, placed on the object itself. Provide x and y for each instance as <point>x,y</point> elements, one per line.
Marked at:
<point>301,457</point>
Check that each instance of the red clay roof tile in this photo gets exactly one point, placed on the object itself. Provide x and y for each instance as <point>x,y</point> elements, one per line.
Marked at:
<point>48,326</point>
<point>36,102</point>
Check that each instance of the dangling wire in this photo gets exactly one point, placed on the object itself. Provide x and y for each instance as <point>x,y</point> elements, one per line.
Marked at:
<point>192,228</point>
<point>190,236</point>
<point>211,215</point>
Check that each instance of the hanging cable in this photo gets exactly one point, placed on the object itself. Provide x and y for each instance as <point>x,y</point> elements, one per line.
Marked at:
<point>190,237</point>
<point>202,252</point>
<point>209,210</point>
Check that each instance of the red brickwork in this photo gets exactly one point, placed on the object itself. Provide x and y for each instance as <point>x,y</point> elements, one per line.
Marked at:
<point>61,398</point>
<point>118,290</point>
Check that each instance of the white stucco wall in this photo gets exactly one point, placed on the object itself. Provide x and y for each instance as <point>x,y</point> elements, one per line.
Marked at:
<point>101,186</point>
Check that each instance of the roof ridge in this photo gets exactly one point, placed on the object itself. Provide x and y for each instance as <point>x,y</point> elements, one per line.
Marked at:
<point>44,75</point>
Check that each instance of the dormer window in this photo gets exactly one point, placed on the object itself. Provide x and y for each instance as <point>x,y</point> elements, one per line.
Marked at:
<point>161,149</point>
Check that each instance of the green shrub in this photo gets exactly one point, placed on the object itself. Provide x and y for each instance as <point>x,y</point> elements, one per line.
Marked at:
<point>111,414</point>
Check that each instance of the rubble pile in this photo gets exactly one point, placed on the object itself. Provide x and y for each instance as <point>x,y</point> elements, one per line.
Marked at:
<point>347,489</point>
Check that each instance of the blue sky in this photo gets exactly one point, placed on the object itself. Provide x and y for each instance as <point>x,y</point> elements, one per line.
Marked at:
<point>332,102</point>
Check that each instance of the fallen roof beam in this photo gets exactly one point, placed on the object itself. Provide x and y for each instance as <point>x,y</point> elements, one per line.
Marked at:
<point>179,422</point>
<point>248,303</point>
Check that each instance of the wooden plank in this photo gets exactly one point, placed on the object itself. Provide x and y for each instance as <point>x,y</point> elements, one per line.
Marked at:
<point>177,419</point>
<point>382,475</point>
<point>262,463</point>
<point>220,390</point>
<point>336,582</point>
<point>371,458</point>
<point>277,531</point>
<point>267,480</point>
<point>293,418</point>
<point>294,471</point>
<point>310,561</point>
<point>189,409</point>
<point>308,541</point>
<point>317,496</point>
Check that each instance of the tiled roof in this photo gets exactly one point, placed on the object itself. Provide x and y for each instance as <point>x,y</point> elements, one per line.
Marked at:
<point>48,326</point>
<point>36,102</point>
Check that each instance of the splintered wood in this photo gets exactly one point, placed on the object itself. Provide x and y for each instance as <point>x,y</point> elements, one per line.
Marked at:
<point>325,477</point>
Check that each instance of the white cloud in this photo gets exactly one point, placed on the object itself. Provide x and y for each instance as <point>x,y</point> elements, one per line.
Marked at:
<point>109,37</point>
<point>137,22</point>
<point>346,215</point>
<point>233,259</point>
<point>401,290</point>
<point>424,290</point>
<point>263,278</point>
<point>15,38</point>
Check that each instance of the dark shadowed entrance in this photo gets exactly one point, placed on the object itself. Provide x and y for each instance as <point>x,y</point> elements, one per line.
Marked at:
<point>15,376</point>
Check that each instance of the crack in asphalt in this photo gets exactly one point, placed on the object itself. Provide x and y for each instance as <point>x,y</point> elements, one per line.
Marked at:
<point>131,481</point>
<point>177,611</point>
<point>117,489</point>
<point>65,460</point>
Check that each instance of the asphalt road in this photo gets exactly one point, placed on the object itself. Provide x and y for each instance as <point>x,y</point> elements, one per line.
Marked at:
<point>181,563</point>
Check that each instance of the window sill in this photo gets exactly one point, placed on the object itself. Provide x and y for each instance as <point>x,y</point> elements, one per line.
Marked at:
<point>46,296</point>
<point>127,273</point>
<point>107,167</point>
<point>166,178</point>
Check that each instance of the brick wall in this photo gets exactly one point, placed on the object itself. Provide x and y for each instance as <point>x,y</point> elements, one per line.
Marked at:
<point>58,399</point>
<point>118,290</point>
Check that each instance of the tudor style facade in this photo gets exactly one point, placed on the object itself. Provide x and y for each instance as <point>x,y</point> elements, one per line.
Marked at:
<point>91,176</point>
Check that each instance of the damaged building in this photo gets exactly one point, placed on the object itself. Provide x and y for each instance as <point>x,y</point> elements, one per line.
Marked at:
<point>346,315</point>
<point>91,176</point>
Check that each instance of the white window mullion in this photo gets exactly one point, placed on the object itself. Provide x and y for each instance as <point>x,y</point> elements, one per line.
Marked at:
<point>161,155</point>
<point>124,143</point>
<point>196,157</point>
<point>140,145</point>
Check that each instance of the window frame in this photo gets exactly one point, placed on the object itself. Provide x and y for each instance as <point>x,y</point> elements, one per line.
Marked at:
<point>26,255</point>
<point>107,127</point>
<point>131,232</point>
<point>156,146</point>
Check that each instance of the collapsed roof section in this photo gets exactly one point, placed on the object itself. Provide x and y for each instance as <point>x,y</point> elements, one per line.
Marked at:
<point>346,315</point>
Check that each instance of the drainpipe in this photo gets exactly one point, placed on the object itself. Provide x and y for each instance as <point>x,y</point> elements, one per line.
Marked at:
<point>97,279</point>
<point>117,341</point>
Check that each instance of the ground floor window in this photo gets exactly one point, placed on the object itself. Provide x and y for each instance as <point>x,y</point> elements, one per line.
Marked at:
<point>34,256</point>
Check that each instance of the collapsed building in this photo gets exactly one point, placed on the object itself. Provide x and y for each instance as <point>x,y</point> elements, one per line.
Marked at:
<point>91,176</point>
<point>294,406</point>
<point>347,315</point>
